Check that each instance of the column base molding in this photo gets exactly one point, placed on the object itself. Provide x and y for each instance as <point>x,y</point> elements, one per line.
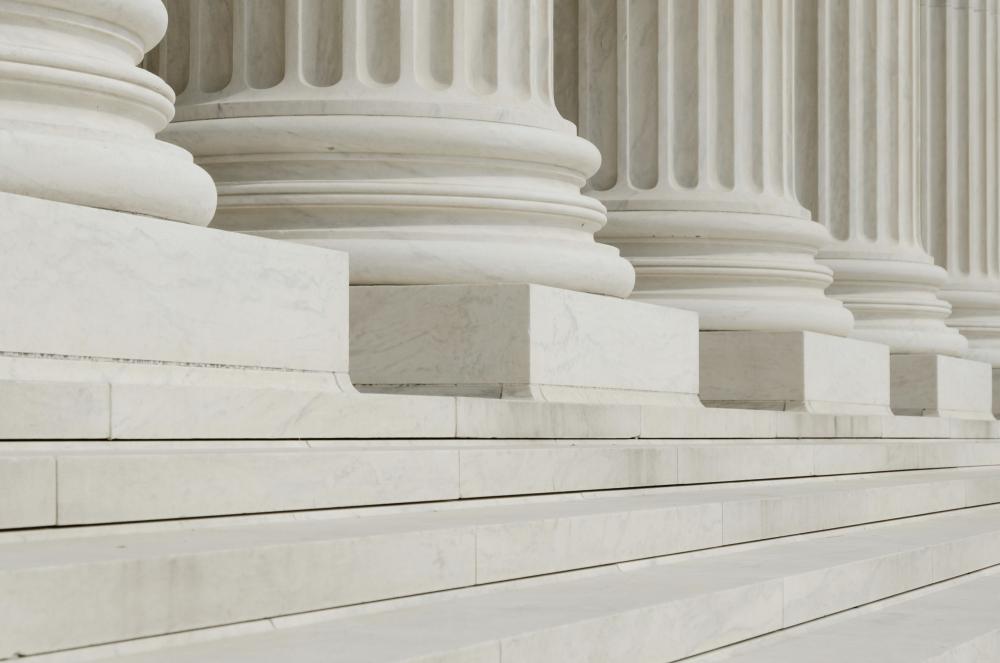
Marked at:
<point>522,342</point>
<point>794,371</point>
<point>941,386</point>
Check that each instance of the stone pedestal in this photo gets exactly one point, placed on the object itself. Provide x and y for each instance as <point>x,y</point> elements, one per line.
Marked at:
<point>422,138</point>
<point>941,386</point>
<point>796,371</point>
<point>522,341</point>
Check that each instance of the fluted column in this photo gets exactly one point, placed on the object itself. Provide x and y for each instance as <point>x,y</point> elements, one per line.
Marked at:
<point>690,103</point>
<point>78,119</point>
<point>960,173</point>
<point>857,67</point>
<point>419,135</point>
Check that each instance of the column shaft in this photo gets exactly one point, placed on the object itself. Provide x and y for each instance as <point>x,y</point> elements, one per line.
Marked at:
<point>419,135</point>
<point>960,173</point>
<point>691,106</point>
<point>857,134</point>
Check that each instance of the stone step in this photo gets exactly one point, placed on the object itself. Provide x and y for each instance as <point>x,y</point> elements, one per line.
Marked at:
<point>958,622</point>
<point>92,482</point>
<point>654,611</point>
<point>135,581</point>
<point>132,410</point>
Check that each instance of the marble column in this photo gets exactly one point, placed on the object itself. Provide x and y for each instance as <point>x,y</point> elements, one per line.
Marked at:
<point>421,136</point>
<point>856,168</point>
<point>960,171</point>
<point>692,105</point>
<point>78,119</point>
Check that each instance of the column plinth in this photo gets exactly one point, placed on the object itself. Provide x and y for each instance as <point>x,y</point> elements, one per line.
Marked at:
<point>421,137</point>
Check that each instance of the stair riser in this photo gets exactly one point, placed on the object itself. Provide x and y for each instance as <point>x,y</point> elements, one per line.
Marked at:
<point>73,488</point>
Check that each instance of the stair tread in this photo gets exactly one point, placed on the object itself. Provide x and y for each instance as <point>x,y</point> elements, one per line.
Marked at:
<point>646,613</point>
<point>108,543</point>
<point>912,630</point>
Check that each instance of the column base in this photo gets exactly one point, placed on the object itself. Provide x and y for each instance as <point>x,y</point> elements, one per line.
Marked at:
<point>796,371</point>
<point>941,386</point>
<point>95,301</point>
<point>521,341</point>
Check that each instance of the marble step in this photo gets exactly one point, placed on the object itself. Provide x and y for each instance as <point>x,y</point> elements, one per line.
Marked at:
<point>957,622</point>
<point>45,484</point>
<point>655,611</point>
<point>134,411</point>
<point>139,580</point>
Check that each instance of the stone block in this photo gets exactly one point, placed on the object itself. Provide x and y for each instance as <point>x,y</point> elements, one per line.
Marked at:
<point>27,491</point>
<point>92,283</point>
<point>685,423</point>
<point>99,487</point>
<point>801,371</point>
<point>941,386</point>
<point>54,410</point>
<point>511,418</point>
<point>142,411</point>
<point>526,470</point>
<point>522,341</point>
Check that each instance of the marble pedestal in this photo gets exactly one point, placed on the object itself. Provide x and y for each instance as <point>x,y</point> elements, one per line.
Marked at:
<point>799,371</point>
<point>521,341</point>
<point>937,385</point>
<point>93,298</point>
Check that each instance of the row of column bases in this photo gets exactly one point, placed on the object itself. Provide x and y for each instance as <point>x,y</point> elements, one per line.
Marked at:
<point>776,166</point>
<point>721,125</point>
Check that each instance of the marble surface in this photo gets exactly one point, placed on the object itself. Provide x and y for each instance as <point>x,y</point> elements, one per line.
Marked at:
<point>698,173</point>
<point>643,613</point>
<point>428,164</point>
<point>522,341</point>
<point>446,547</point>
<point>54,410</point>
<point>98,284</point>
<point>801,371</point>
<point>123,481</point>
<point>955,623</point>
<point>28,493</point>
<point>959,165</point>
<point>857,162</point>
<point>937,385</point>
<point>79,119</point>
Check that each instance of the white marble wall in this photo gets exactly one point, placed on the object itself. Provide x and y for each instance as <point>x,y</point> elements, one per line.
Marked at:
<point>419,135</point>
<point>691,105</point>
<point>856,167</point>
<point>960,172</point>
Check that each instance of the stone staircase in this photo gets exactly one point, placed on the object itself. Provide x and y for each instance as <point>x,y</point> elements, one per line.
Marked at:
<point>718,534</point>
